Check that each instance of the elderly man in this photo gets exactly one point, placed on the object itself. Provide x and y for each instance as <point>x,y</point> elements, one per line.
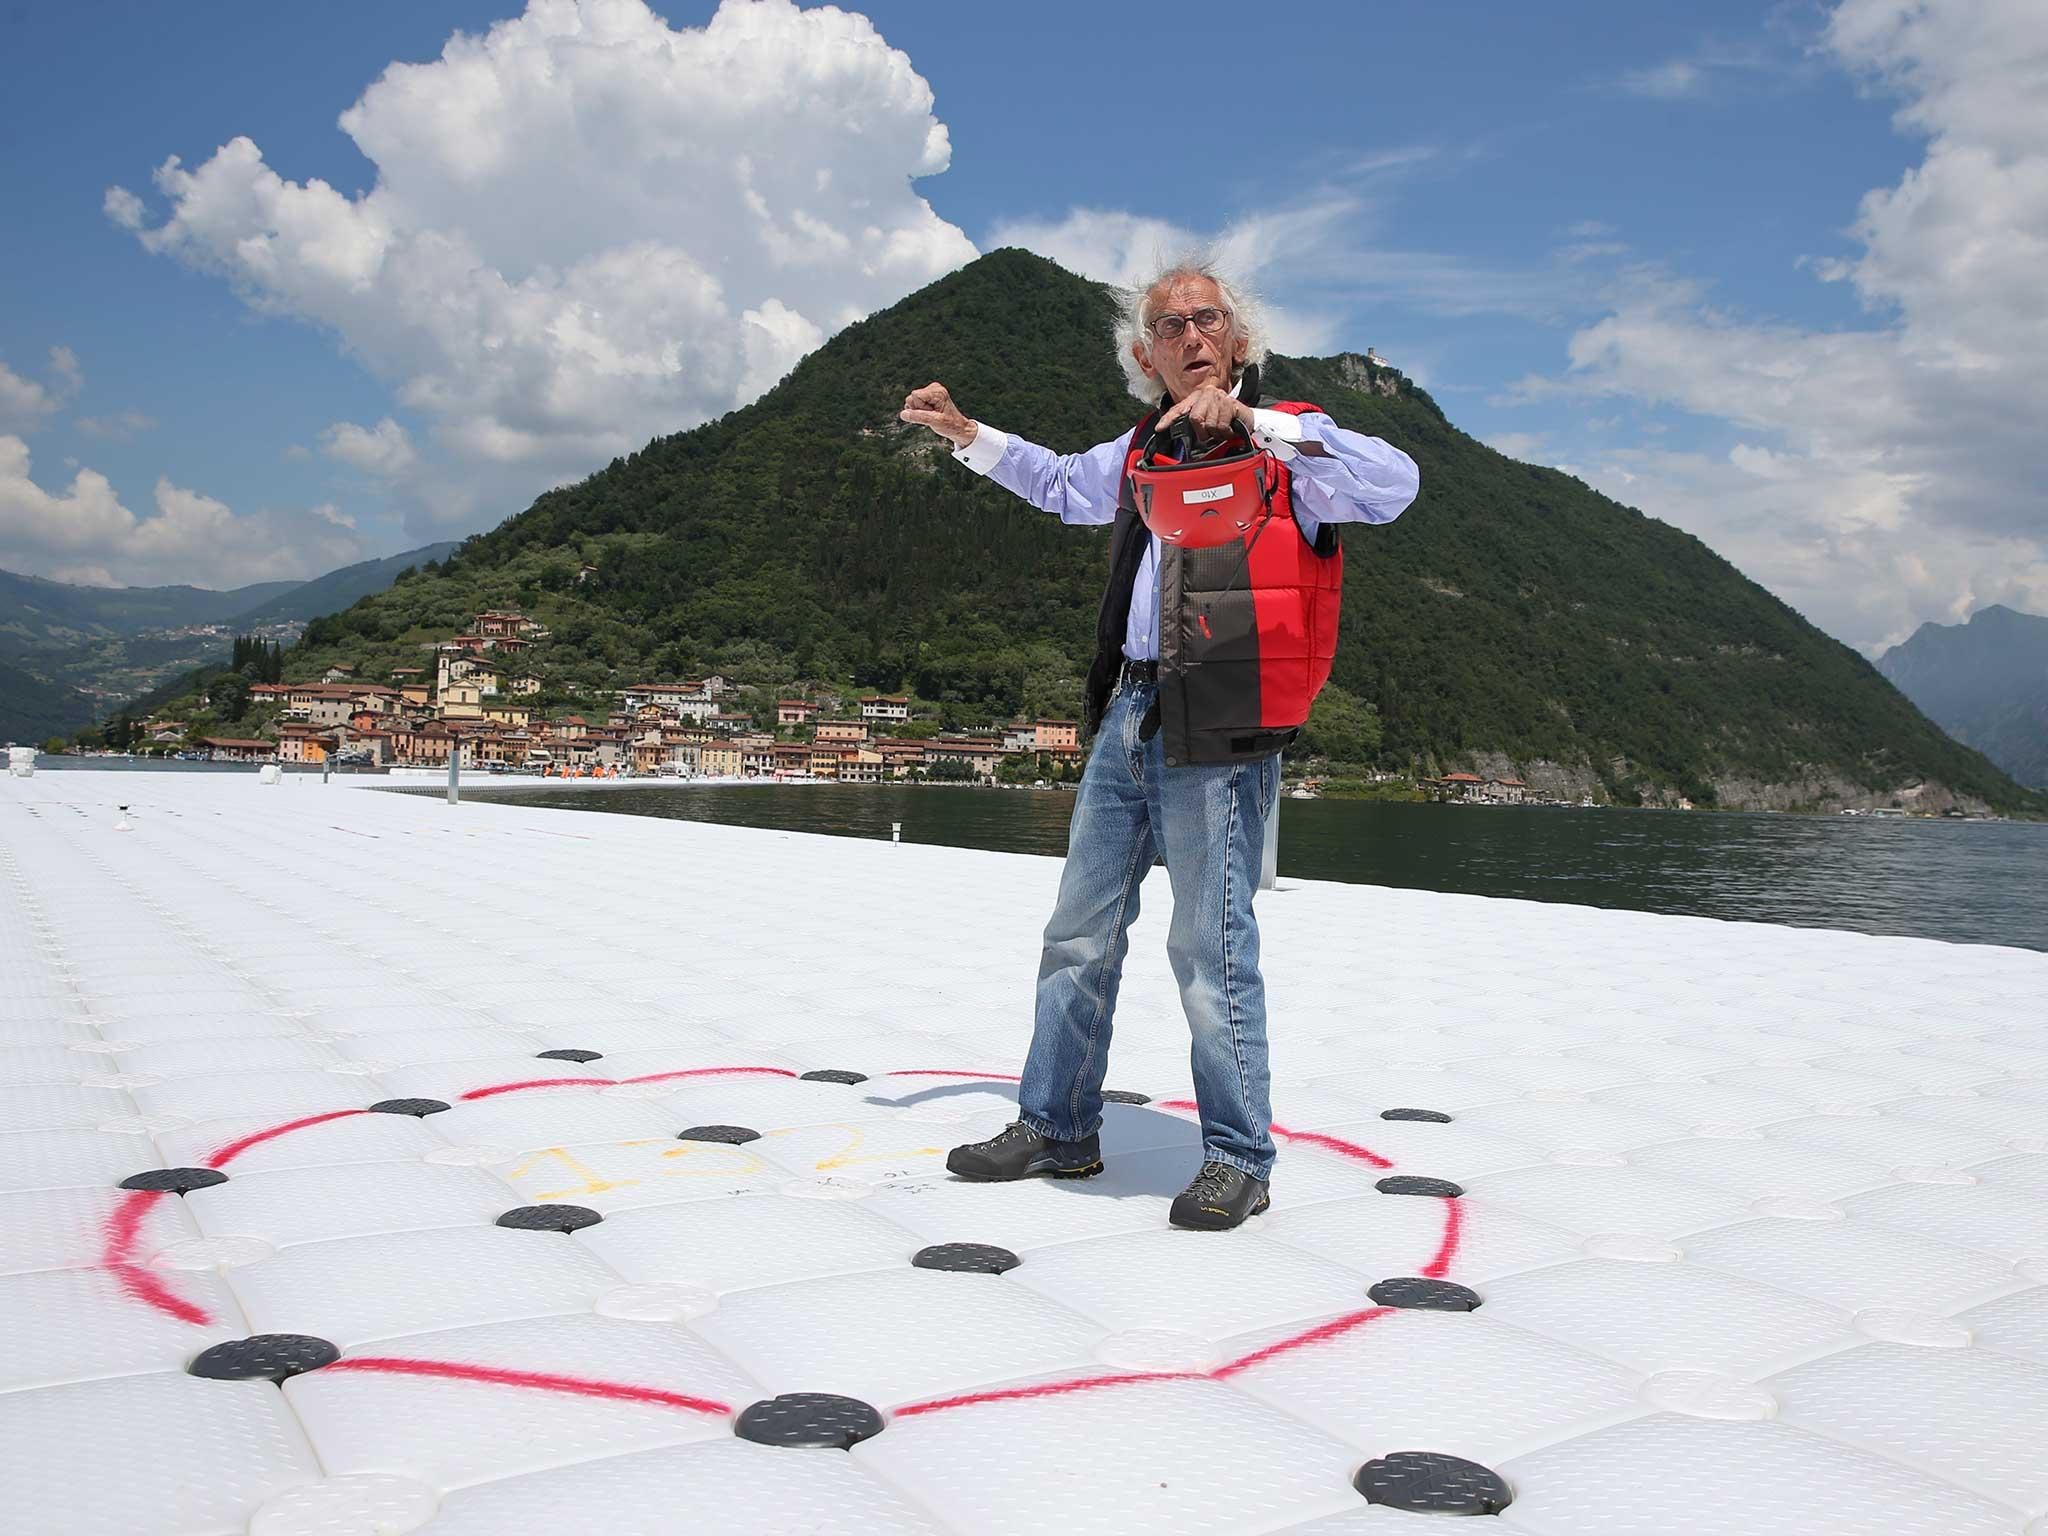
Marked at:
<point>1188,722</point>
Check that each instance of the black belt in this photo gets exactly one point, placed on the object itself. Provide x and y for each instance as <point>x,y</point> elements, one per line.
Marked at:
<point>1138,672</point>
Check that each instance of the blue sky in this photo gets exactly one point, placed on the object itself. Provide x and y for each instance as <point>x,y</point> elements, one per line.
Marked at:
<point>1601,234</point>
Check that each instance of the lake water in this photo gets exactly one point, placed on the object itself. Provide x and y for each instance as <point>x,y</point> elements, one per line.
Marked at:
<point>1973,882</point>
<point>1969,882</point>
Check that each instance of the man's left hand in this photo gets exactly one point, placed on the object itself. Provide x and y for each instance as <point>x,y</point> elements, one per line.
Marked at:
<point>1212,410</point>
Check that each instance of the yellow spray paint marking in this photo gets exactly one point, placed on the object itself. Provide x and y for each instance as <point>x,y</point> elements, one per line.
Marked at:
<point>713,1160</point>
<point>593,1182</point>
<point>850,1154</point>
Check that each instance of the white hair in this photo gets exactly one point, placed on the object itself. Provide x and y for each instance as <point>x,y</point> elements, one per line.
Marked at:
<point>1134,312</point>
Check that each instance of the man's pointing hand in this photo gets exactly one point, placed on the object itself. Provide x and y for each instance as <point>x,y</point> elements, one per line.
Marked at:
<point>933,407</point>
<point>1212,410</point>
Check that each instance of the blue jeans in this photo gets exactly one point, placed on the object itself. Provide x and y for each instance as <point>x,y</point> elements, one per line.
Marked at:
<point>1209,821</point>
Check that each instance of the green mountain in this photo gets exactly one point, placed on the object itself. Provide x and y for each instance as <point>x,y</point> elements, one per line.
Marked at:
<point>1513,619</point>
<point>1985,683</point>
<point>39,615</point>
<point>32,710</point>
<point>77,652</point>
<point>36,614</point>
<point>337,589</point>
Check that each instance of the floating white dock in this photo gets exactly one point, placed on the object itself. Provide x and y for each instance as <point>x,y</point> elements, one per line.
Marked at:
<point>1755,1219</point>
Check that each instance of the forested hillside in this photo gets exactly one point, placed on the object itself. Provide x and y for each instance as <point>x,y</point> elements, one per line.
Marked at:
<point>1512,619</point>
<point>33,710</point>
<point>338,589</point>
<point>35,613</point>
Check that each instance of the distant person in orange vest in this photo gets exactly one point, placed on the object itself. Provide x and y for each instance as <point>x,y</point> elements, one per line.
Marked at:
<point>1215,633</point>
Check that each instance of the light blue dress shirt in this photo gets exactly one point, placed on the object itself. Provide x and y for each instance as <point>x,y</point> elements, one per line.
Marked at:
<point>1346,478</point>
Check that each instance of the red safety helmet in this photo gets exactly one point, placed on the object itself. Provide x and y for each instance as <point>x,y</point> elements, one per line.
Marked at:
<point>1199,499</point>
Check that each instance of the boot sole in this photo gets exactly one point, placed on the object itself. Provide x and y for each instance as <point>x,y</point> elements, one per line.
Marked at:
<point>1088,1172</point>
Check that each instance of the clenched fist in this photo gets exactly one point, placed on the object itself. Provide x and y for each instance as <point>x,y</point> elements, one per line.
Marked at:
<point>933,407</point>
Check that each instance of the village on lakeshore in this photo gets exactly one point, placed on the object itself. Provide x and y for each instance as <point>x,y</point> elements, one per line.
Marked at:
<point>481,703</point>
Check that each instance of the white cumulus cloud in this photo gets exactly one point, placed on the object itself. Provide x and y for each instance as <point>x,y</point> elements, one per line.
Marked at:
<point>587,227</point>
<point>84,533</point>
<point>384,450</point>
<point>1893,473</point>
<point>26,404</point>
<point>36,524</point>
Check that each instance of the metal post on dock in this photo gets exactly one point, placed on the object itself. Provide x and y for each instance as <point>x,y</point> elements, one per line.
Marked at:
<point>454,772</point>
<point>1269,861</point>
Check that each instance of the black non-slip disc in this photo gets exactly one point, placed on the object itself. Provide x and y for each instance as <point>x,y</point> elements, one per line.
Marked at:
<point>1424,1295</point>
<point>265,1356</point>
<point>414,1107</point>
<point>1434,1484</point>
<point>966,1258</point>
<point>809,1419</point>
<point>176,1181</point>
<point>549,1218</point>
<point>1409,1184</point>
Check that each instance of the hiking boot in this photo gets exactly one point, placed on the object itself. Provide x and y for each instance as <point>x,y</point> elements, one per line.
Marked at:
<point>1020,1153</point>
<point>1219,1199</point>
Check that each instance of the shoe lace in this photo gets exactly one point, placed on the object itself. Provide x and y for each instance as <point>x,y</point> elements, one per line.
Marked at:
<point>1211,1182</point>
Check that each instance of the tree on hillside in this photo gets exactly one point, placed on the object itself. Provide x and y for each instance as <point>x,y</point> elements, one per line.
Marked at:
<point>230,695</point>
<point>257,659</point>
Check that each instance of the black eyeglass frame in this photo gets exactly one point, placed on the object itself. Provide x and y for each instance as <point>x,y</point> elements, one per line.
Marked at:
<point>1182,322</point>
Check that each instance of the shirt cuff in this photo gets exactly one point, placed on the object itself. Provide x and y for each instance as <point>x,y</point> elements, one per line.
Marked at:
<point>1277,432</point>
<point>984,449</point>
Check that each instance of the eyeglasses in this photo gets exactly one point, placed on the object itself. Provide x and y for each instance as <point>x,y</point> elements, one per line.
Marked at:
<point>1208,320</point>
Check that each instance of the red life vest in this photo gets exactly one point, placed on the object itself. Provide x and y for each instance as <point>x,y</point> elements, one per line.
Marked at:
<point>1247,628</point>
